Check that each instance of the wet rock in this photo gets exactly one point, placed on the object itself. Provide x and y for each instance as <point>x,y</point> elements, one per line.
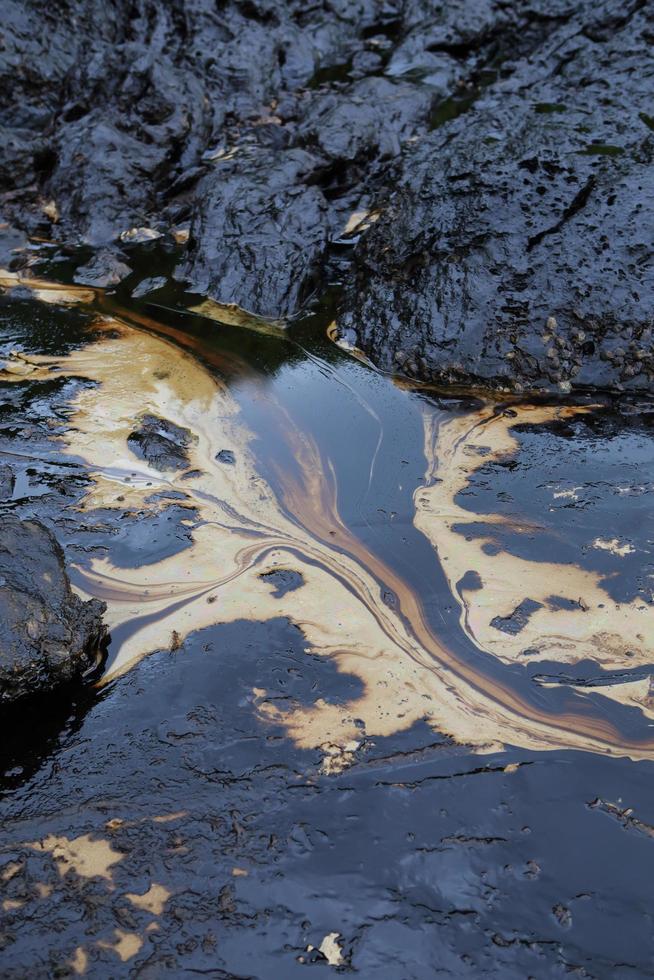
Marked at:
<point>259,233</point>
<point>48,635</point>
<point>150,116</point>
<point>513,250</point>
<point>104,269</point>
<point>148,286</point>
<point>368,121</point>
<point>438,69</point>
<point>161,443</point>
<point>110,106</point>
<point>7,481</point>
<point>525,137</point>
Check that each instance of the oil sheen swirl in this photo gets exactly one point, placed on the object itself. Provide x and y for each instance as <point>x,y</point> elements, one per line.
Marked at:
<point>355,604</point>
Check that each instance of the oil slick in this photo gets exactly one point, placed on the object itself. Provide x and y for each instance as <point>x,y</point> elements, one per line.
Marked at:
<point>153,901</point>
<point>616,635</point>
<point>245,527</point>
<point>46,291</point>
<point>90,858</point>
<point>86,857</point>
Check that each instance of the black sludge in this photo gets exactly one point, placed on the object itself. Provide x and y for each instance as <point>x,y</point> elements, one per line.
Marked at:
<point>198,842</point>
<point>161,443</point>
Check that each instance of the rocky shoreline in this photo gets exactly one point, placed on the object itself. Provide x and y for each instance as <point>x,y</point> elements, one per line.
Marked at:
<point>478,176</point>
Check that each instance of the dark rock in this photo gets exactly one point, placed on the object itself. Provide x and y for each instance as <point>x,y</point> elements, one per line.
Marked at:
<point>368,121</point>
<point>439,70</point>
<point>161,443</point>
<point>148,286</point>
<point>514,250</point>
<point>48,635</point>
<point>507,146</point>
<point>226,456</point>
<point>104,269</point>
<point>259,233</point>
<point>143,116</point>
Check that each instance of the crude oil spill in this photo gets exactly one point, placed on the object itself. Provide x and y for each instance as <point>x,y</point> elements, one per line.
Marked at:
<point>335,606</point>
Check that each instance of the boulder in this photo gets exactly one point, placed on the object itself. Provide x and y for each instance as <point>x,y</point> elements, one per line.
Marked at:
<point>516,249</point>
<point>48,635</point>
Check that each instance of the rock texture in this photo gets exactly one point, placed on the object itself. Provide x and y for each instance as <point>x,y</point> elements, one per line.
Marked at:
<point>516,250</point>
<point>505,148</point>
<point>129,120</point>
<point>161,443</point>
<point>48,635</point>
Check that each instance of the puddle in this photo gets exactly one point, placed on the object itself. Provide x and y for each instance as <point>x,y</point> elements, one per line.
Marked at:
<point>347,615</point>
<point>409,570</point>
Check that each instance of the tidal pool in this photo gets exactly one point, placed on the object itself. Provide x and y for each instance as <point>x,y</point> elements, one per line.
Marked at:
<point>377,696</point>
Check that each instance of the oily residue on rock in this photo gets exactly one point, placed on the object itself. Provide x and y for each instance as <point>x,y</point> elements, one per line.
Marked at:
<point>48,636</point>
<point>510,251</point>
<point>160,443</point>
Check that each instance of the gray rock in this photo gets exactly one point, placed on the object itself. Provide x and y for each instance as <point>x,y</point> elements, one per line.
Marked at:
<point>48,635</point>
<point>516,248</point>
<point>104,269</point>
<point>507,146</point>
<point>259,232</point>
<point>118,114</point>
<point>148,286</point>
<point>367,122</point>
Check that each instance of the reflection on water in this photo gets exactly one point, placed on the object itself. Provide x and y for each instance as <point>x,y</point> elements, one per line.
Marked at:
<point>480,567</point>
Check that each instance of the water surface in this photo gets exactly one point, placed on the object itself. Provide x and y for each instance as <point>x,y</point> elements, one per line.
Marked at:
<point>357,616</point>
